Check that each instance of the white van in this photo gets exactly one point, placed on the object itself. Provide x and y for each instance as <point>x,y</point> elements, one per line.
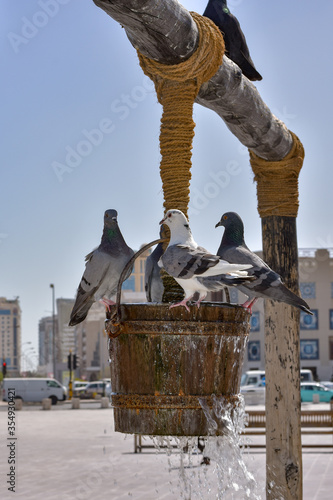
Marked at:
<point>33,389</point>
<point>257,377</point>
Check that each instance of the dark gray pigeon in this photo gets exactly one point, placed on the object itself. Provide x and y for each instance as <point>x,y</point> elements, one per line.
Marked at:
<point>193,267</point>
<point>153,282</point>
<point>268,284</point>
<point>103,268</point>
<point>234,39</point>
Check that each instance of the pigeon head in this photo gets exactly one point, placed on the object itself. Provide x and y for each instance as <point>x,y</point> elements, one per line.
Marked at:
<point>178,225</point>
<point>234,228</point>
<point>110,218</point>
<point>174,218</point>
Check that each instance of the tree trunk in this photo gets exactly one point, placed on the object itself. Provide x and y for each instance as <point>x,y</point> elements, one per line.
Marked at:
<point>282,352</point>
<point>166,32</point>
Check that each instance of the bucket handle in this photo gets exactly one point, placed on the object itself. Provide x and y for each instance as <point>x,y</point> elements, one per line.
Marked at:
<point>113,324</point>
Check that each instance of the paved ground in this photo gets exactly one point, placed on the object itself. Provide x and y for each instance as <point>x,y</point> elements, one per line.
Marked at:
<point>66,454</point>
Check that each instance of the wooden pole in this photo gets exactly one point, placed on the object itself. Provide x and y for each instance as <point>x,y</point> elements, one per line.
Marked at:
<point>282,355</point>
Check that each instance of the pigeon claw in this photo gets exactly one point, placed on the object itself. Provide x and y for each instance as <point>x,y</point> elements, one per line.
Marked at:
<point>182,303</point>
<point>249,304</point>
<point>108,303</point>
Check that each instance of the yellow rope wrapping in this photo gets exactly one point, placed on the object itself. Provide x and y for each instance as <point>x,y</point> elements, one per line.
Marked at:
<point>177,86</point>
<point>277,182</point>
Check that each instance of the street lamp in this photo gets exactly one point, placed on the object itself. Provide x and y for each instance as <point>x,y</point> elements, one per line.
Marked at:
<point>53,333</point>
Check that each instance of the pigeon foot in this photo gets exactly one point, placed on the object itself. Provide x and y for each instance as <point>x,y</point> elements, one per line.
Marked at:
<point>182,303</point>
<point>108,303</point>
<point>249,304</point>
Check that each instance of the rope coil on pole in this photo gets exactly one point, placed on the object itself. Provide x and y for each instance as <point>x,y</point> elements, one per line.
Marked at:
<point>177,86</point>
<point>277,181</point>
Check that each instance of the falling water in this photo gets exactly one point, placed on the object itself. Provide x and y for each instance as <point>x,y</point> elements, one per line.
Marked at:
<point>227,476</point>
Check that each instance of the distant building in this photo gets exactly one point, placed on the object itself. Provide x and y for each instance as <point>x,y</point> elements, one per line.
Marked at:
<point>66,334</point>
<point>45,344</point>
<point>316,332</point>
<point>133,289</point>
<point>10,335</point>
<point>91,345</point>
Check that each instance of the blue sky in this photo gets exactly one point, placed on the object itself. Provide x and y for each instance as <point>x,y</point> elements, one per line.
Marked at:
<point>73,94</point>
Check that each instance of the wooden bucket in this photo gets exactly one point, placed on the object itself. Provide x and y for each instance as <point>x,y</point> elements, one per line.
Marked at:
<point>167,362</point>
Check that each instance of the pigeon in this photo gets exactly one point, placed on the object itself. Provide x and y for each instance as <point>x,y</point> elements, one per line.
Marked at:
<point>268,284</point>
<point>234,39</point>
<point>153,282</point>
<point>193,267</point>
<point>103,269</point>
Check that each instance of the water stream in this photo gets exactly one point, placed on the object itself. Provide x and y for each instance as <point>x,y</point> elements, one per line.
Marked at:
<point>226,477</point>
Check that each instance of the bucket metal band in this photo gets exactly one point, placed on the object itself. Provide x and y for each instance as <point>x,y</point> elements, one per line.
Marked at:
<point>156,402</point>
<point>142,327</point>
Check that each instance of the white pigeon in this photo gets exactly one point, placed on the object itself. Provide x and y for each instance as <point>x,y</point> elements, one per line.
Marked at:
<point>193,267</point>
<point>104,266</point>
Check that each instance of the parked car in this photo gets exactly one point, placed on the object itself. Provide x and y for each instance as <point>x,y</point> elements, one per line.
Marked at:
<point>254,394</point>
<point>93,389</point>
<point>108,389</point>
<point>309,389</point>
<point>33,389</point>
<point>327,384</point>
<point>78,386</point>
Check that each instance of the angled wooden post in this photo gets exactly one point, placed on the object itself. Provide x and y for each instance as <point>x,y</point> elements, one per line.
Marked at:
<point>165,32</point>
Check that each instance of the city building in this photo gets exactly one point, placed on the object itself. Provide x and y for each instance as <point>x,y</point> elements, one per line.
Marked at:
<point>316,332</point>
<point>45,344</point>
<point>10,335</point>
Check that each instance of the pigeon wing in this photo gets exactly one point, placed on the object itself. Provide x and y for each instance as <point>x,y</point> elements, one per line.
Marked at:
<point>182,261</point>
<point>97,265</point>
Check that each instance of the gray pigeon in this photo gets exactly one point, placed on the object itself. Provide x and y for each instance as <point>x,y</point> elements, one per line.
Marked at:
<point>153,282</point>
<point>103,268</point>
<point>193,267</point>
<point>268,284</point>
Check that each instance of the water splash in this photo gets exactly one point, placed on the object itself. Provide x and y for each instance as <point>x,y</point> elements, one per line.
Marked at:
<point>227,476</point>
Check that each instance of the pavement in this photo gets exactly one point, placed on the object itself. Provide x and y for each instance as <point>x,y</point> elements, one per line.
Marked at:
<point>66,454</point>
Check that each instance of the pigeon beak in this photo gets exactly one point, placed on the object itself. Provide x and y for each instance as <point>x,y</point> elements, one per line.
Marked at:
<point>218,224</point>
<point>162,221</point>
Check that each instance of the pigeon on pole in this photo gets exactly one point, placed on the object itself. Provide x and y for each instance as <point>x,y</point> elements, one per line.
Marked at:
<point>193,267</point>
<point>235,43</point>
<point>103,268</point>
<point>267,284</point>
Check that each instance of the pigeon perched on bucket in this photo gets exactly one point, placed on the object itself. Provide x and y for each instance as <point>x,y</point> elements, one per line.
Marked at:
<point>268,284</point>
<point>103,269</point>
<point>193,267</point>
<point>234,39</point>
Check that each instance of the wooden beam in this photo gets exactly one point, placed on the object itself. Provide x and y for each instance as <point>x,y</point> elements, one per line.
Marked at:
<point>166,32</point>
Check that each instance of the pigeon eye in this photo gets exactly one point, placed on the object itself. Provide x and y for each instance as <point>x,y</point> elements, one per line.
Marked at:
<point>169,215</point>
<point>106,215</point>
<point>225,217</point>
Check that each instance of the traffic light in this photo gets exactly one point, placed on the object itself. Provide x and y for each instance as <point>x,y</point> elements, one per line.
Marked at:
<point>4,368</point>
<point>69,361</point>
<point>74,362</point>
